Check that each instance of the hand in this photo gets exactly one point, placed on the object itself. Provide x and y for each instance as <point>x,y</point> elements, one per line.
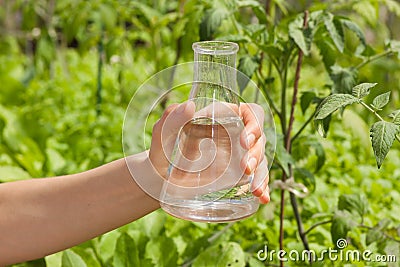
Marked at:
<point>252,138</point>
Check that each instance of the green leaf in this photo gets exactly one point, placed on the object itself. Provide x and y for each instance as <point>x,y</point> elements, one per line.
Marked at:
<point>368,10</point>
<point>381,100</point>
<point>88,256</point>
<point>362,89</point>
<point>394,46</point>
<point>221,255</point>
<point>257,8</point>
<point>126,252</point>
<point>373,235</point>
<point>248,65</point>
<point>210,22</point>
<point>305,177</point>
<point>12,173</point>
<point>344,79</point>
<point>283,157</point>
<point>322,126</point>
<point>335,30</point>
<point>107,245</point>
<point>328,52</point>
<point>393,6</point>
<point>306,99</point>
<point>71,259</point>
<point>354,202</point>
<point>382,136</point>
<point>395,115</point>
<point>332,103</point>
<point>319,152</point>
<point>302,37</point>
<point>341,225</point>
<point>162,251</point>
<point>153,224</point>
<point>357,30</point>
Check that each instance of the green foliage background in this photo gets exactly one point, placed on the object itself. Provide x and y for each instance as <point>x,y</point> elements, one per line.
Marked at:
<point>69,67</point>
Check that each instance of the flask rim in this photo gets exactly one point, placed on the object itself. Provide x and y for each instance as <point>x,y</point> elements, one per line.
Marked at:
<point>215,48</point>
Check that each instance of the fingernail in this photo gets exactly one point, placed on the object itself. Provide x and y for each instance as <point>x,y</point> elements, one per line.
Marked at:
<point>252,164</point>
<point>181,108</point>
<point>250,140</point>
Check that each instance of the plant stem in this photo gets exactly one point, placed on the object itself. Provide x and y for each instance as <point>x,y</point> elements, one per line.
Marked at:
<point>304,126</point>
<point>373,58</point>
<point>283,79</point>
<point>316,225</point>
<point>99,74</point>
<point>377,115</point>
<point>267,95</point>
<point>288,146</point>
<point>220,232</point>
<point>372,110</point>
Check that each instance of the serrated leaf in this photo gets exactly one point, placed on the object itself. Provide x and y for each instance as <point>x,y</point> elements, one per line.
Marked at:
<point>221,255</point>
<point>332,103</point>
<point>353,202</point>
<point>358,32</point>
<point>362,89</point>
<point>248,65</point>
<point>335,30</point>
<point>306,99</point>
<point>126,252</point>
<point>328,52</point>
<point>71,259</point>
<point>302,37</point>
<point>381,100</point>
<point>395,115</point>
<point>341,225</point>
<point>344,79</point>
<point>210,22</point>
<point>382,136</point>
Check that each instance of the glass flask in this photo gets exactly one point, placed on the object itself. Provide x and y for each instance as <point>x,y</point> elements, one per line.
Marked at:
<point>206,180</point>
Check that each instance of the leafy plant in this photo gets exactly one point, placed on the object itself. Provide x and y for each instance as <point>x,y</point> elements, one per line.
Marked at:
<point>68,69</point>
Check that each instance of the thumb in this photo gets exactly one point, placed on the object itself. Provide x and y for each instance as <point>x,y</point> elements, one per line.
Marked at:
<point>170,125</point>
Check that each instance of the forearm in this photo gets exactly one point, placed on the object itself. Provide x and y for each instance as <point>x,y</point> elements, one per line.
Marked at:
<point>42,216</point>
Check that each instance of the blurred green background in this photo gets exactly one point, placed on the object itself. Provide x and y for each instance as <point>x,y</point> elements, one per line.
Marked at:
<point>68,69</point>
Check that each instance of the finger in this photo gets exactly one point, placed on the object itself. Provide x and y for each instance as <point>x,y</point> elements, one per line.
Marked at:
<point>158,125</point>
<point>253,119</point>
<point>254,156</point>
<point>172,122</point>
<point>265,197</point>
<point>260,179</point>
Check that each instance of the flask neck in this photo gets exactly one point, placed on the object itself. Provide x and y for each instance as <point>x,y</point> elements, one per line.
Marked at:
<point>214,68</point>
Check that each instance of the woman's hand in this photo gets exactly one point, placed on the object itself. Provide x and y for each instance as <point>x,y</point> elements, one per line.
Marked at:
<point>252,139</point>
